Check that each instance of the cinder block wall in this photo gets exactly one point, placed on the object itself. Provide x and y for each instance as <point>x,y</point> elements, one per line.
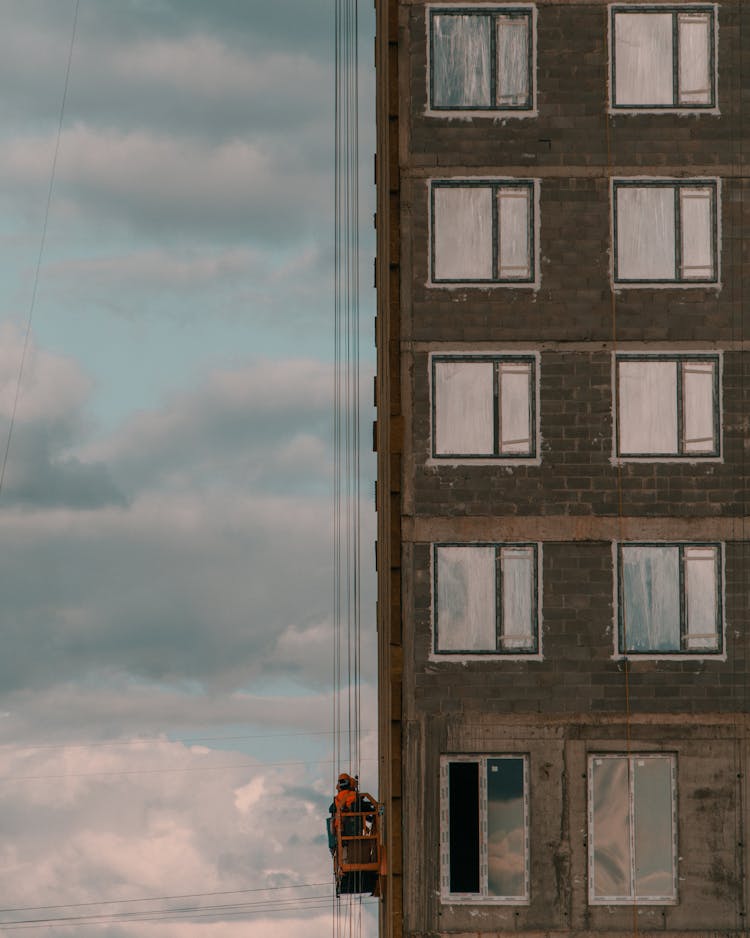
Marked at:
<point>579,698</point>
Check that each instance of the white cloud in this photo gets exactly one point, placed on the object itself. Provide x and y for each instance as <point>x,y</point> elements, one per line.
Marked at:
<point>205,68</point>
<point>163,820</point>
<point>52,387</point>
<point>162,181</point>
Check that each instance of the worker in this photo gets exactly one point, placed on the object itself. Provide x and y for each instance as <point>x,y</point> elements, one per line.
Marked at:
<point>345,800</point>
<point>348,799</point>
<point>348,810</point>
<point>346,793</point>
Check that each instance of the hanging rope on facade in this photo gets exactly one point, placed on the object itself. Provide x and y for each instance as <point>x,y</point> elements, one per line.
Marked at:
<point>346,430</point>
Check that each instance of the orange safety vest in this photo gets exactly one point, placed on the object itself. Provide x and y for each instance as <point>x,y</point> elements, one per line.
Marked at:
<point>344,801</point>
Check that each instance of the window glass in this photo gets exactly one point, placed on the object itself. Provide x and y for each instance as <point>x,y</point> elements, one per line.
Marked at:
<point>647,407</point>
<point>651,599</point>
<point>663,57</point>
<point>483,407</point>
<point>696,225</point>
<point>463,233</point>
<point>701,587</point>
<point>643,58</point>
<point>670,598</point>
<point>611,822</point>
<point>485,599</point>
<point>515,380</point>
<point>518,597</point>
<point>698,381</point>
<point>666,231</point>
<point>506,834</point>
<point>464,407</point>
<point>694,32</point>
<point>483,231</point>
<point>632,852</point>
<point>667,406</point>
<point>512,61</point>
<point>513,233</point>
<point>484,832</point>
<point>461,60</point>
<point>645,233</point>
<point>653,841</point>
<point>482,59</point>
<point>466,603</point>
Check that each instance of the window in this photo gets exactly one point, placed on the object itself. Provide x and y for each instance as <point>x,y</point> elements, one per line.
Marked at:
<point>484,828</point>
<point>483,231</point>
<point>665,231</point>
<point>667,406</point>
<point>485,599</point>
<point>632,829</point>
<point>481,59</point>
<point>670,599</point>
<point>663,57</point>
<point>483,407</point>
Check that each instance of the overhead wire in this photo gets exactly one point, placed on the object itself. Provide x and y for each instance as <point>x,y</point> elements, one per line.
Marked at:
<point>171,898</point>
<point>139,740</point>
<point>219,912</point>
<point>165,770</point>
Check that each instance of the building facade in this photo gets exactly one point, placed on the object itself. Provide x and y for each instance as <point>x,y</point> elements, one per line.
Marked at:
<point>563,443</point>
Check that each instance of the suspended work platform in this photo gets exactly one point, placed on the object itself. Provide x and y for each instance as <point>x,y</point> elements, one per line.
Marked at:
<point>354,838</point>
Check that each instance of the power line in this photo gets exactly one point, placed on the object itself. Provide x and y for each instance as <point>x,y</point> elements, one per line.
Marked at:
<point>137,740</point>
<point>219,912</point>
<point>174,898</point>
<point>42,243</point>
<point>160,771</point>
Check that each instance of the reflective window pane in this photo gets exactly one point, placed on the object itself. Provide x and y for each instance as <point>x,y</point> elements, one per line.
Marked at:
<point>512,61</point>
<point>650,604</point>
<point>653,838</point>
<point>465,614</point>
<point>463,233</point>
<point>461,60</point>
<point>645,233</point>
<point>464,407</point>
<point>647,407</point>
<point>515,408</point>
<point>643,59</point>
<point>518,597</point>
<point>506,833</point>
<point>611,828</point>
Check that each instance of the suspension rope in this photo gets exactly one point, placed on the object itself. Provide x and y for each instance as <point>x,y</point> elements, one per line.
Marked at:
<point>346,656</point>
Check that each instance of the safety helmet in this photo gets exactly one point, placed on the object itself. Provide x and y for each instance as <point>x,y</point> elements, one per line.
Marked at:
<point>345,781</point>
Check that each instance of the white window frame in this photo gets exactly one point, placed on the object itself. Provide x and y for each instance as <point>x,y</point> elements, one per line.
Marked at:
<point>481,897</point>
<point>633,897</point>
<point>708,9</point>
<point>682,361</point>
<point>684,652</point>
<point>512,652</point>
<point>680,280</point>
<point>514,10</point>
<point>498,360</point>
<point>499,187</point>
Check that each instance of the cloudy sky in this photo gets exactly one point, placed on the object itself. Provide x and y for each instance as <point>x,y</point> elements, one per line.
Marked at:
<point>166,568</point>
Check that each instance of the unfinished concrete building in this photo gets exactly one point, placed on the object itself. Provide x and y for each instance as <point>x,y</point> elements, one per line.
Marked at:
<point>562,441</point>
